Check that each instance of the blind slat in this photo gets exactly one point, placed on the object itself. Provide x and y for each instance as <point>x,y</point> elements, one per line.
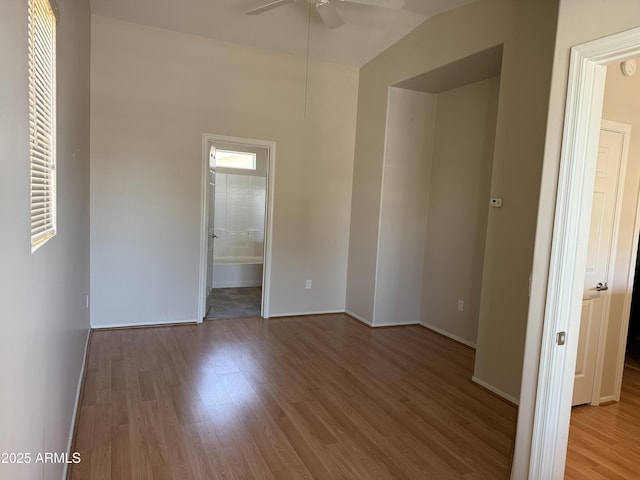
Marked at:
<point>42,94</point>
<point>40,165</point>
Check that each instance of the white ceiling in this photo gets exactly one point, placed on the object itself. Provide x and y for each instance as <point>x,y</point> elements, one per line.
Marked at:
<point>367,32</point>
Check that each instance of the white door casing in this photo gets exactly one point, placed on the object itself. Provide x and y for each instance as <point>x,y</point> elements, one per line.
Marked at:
<point>209,139</point>
<point>547,386</point>
<point>602,241</point>
<point>211,202</point>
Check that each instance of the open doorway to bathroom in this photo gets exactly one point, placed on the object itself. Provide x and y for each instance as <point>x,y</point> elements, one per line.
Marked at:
<point>235,219</point>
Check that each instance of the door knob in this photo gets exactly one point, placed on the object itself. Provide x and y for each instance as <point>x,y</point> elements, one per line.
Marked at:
<point>601,287</point>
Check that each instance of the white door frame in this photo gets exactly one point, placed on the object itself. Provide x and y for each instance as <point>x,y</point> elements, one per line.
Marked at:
<point>625,130</point>
<point>552,411</point>
<point>204,212</point>
<point>603,321</point>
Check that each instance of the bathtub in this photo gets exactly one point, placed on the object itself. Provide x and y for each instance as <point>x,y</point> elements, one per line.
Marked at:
<point>237,272</point>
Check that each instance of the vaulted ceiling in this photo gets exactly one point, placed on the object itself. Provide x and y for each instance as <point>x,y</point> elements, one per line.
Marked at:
<point>294,28</point>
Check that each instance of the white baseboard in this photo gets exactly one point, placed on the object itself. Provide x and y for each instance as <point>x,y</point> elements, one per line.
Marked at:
<point>376,325</point>
<point>495,390</point>
<point>608,399</point>
<point>305,314</point>
<point>450,335</point>
<point>143,324</point>
<point>359,318</point>
<point>76,405</point>
<point>391,324</point>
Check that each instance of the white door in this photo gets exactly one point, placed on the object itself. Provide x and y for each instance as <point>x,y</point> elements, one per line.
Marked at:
<point>600,255</point>
<point>211,236</point>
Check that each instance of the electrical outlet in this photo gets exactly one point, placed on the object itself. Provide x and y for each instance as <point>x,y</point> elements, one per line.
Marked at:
<point>308,284</point>
<point>460,305</point>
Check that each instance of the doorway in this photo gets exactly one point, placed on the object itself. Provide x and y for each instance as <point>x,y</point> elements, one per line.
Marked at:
<point>603,252</point>
<point>235,245</point>
<point>560,327</point>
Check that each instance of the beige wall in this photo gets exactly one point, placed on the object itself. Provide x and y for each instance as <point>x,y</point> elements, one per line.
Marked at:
<point>458,208</point>
<point>440,40</point>
<point>527,32</point>
<point>434,206</point>
<point>45,323</point>
<point>154,93</point>
<point>405,188</point>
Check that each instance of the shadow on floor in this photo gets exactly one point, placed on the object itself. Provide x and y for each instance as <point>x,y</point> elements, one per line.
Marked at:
<point>632,356</point>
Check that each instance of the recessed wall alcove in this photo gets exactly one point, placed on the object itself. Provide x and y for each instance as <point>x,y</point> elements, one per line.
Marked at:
<point>434,201</point>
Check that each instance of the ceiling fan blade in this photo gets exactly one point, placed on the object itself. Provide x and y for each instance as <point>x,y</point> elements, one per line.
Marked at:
<point>329,14</point>
<point>268,6</point>
<point>397,4</point>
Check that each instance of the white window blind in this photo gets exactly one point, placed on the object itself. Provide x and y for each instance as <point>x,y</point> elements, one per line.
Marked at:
<point>42,120</point>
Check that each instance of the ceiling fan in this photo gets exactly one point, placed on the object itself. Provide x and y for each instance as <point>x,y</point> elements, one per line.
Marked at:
<point>327,10</point>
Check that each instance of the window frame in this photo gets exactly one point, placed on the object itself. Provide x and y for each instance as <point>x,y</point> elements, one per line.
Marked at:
<point>240,153</point>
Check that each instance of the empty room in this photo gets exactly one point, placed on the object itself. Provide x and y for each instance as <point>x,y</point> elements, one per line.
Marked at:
<point>301,239</point>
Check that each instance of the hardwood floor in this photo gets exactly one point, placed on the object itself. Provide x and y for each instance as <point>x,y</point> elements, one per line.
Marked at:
<point>303,397</point>
<point>604,442</point>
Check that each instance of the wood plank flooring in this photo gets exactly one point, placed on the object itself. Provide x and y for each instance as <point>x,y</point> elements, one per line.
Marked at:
<point>604,441</point>
<point>304,397</point>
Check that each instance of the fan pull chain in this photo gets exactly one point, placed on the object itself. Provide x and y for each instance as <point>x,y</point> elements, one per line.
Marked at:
<point>306,75</point>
